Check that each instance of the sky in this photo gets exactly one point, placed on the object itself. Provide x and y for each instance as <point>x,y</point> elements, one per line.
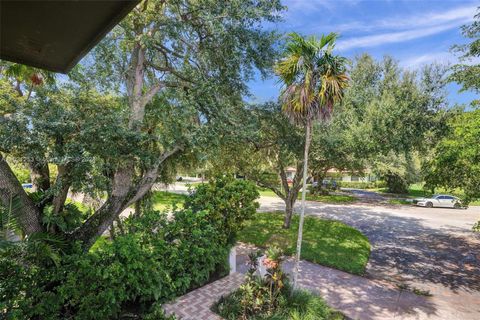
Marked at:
<point>414,32</point>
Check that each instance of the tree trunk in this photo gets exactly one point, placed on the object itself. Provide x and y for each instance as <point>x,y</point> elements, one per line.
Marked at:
<point>289,203</point>
<point>40,176</point>
<point>28,215</point>
<point>304,193</point>
<point>108,212</point>
<point>138,208</point>
<point>64,183</point>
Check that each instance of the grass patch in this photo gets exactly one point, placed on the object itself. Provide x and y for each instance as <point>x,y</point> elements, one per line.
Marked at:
<point>399,201</point>
<point>264,192</point>
<point>163,200</point>
<point>331,198</point>
<point>301,305</point>
<point>327,242</point>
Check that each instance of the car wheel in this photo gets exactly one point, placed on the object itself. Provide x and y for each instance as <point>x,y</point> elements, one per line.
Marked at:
<point>429,205</point>
<point>457,205</point>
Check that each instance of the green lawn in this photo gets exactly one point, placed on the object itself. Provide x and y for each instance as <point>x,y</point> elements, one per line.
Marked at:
<point>163,200</point>
<point>327,199</point>
<point>399,201</point>
<point>327,242</point>
<point>332,198</point>
<point>264,192</point>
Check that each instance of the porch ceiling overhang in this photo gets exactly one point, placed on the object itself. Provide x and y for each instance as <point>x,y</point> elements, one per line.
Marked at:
<point>55,35</point>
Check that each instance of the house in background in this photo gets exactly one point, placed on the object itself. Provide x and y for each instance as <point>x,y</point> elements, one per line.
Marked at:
<point>350,176</point>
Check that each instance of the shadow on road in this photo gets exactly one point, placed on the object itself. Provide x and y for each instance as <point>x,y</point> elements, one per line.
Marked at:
<point>405,249</point>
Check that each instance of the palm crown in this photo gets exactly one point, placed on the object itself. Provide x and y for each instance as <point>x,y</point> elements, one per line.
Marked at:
<point>314,78</point>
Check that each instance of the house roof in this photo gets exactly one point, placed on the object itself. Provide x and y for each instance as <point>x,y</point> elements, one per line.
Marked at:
<point>55,35</point>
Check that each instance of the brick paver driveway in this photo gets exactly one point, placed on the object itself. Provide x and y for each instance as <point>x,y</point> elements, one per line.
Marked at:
<point>429,249</point>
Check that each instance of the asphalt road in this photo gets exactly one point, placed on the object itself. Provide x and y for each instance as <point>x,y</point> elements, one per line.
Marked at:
<point>431,249</point>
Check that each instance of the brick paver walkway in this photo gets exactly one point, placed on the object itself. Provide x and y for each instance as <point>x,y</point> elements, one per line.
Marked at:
<point>196,304</point>
<point>356,297</point>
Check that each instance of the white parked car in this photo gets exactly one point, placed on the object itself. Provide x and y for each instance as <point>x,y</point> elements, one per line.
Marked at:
<point>440,200</point>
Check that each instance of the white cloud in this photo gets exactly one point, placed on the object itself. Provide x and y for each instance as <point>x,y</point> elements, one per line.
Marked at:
<point>301,7</point>
<point>400,28</point>
<point>392,37</point>
<point>437,57</point>
<point>459,15</point>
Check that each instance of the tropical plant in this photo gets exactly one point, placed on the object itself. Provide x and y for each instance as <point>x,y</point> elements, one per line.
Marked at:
<point>9,228</point>
<point>314,80</point>
<point>272,297</point>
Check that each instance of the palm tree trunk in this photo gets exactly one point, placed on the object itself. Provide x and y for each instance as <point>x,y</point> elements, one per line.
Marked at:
<point>308,136</point>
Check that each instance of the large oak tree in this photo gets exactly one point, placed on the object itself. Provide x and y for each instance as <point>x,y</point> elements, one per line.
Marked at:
<point>166,55</point>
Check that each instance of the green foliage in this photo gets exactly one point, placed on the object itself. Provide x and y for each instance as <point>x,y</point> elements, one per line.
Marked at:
<point>70,218</point>
<point>455,163</point>
<point>394,116</point>
<point>9,227</point>
<point>155,258</point>
<point>297,305</point>
<point>229,202</point>
<point>271,297</point>
<point>476,227</point>
<point>326,242</point>
<point>21,172</point>
<point>313,76</point>
<point>466,73</point>
<point>262,295</point>
<point>333,147</point>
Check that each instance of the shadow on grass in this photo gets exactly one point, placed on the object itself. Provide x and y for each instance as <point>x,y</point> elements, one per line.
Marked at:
<point>326,242</point>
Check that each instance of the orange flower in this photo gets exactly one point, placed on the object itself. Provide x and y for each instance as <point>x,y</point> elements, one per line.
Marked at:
<point>270,264</point>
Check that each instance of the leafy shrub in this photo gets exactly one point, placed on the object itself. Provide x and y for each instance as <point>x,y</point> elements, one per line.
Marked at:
<point>229,202</point>
<point>362,185</point>
<point>476,227</point>
<point>21,172</point>
<point>154,259</point>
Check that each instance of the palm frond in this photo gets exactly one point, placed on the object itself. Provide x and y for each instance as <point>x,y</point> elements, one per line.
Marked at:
<point>314,79</point>
<point>9,225</point>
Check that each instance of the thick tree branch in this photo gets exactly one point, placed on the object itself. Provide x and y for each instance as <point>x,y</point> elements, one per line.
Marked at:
<point>62,185</point>
<point>103,218</point>
<point>137,105</point>
<point>283,176</point>
<point>148,96</point>
<point>40,175</point>
<point>29,215</point>
<point>150,176</point>
<point>122,196</point>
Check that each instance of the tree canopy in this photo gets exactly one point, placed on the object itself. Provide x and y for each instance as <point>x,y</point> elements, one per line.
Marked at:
<point>159,87</point>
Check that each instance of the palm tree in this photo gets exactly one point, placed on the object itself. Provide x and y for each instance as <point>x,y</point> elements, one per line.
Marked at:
<point>314,80</point>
